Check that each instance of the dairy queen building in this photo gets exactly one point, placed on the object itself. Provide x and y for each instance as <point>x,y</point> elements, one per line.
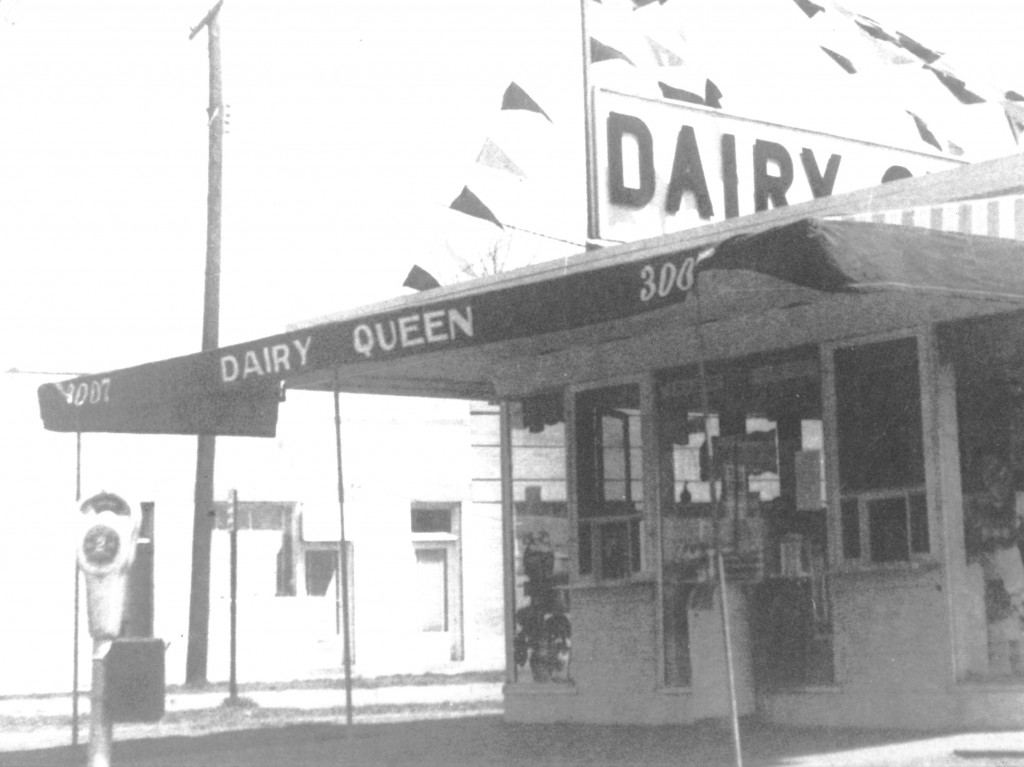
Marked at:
<point>771,462</point>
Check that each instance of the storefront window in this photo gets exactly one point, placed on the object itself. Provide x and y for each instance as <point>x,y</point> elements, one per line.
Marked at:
<point>758,496</point>
<point>610,487</point>
<point>543,629</point>
<point>991,428</point>
<point>884,515</point>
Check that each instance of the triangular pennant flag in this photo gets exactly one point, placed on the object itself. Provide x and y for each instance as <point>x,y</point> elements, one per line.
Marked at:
<point>1015,116</point>
<point>420,279</point>
<point>461,264</point>
<point>470,204</point>
<point>600,52</point>
<point>873,29</point>
<point>664,56</point>
<point>691,90</point>
<point>809,8</point>
<point>841,60</point>
<point>923,52</point>
<point>493,156</point>
<point>516,98</point>
<point>957,87</point>
<point>712,95</point>
<point>925,132</point>
<point>679,94</point>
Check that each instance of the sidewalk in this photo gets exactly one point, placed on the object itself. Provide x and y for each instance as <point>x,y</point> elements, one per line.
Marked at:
<point>290,698</point>
<point>46,721</point>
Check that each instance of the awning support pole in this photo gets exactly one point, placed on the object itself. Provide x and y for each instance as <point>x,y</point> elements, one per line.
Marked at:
<point>233,591</point>
<point>716,560</point>
<point>729,670</point>
<point>508,539</point>
<point>78,600</point>
<point>343,566</point>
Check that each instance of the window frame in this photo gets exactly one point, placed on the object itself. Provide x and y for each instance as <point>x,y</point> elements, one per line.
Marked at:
<point>798,363</point>
<point>451,544</point>
<point>926,346</point>
<point>333,548</point>
<point>646,534</point>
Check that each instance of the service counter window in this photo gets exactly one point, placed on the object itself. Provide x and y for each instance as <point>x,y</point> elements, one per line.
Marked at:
<point>610,482</point>
<point>742,472</point>
<point>543,630</point>
<point>882,507</point>
<point>990,419</point>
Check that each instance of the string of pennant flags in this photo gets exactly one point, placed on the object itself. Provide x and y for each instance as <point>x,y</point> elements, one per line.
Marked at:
<point>802,55</point>
<point>503,194</point>
<point>817,64</point>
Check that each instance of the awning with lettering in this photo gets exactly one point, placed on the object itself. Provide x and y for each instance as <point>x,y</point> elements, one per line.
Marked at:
<point>613,310</point>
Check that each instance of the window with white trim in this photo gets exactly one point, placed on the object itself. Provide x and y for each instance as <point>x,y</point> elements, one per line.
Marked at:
<point>543,623</point>
<point>883,509</point>
<point>609,470</point>
<point>437,548</point>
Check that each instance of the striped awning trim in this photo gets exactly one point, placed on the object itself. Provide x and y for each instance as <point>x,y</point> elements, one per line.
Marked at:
<point>992,217</point>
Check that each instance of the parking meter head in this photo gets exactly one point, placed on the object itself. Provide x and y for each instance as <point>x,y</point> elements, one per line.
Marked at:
<point>108,531</point>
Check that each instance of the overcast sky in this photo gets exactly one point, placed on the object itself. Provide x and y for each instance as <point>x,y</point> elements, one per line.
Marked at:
<point>351,128</point>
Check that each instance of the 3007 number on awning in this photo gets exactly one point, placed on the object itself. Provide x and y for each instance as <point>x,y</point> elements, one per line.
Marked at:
<point>92,392</point>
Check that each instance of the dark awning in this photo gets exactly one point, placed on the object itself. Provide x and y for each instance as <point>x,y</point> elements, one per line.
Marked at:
<point>462,341</point>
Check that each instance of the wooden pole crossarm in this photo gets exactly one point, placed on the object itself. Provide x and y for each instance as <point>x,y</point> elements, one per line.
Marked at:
<point>206,19</point>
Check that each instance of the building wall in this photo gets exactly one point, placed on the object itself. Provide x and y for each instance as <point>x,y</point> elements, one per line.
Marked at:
<point>615,664</point>
<point>893,655</point>
<point>396,452</point>
<point>892,632</point>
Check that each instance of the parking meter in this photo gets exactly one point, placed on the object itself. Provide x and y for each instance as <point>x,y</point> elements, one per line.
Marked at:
<point>108,530</point>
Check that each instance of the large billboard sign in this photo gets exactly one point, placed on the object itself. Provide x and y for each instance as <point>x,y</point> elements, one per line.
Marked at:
<point>665,166</point>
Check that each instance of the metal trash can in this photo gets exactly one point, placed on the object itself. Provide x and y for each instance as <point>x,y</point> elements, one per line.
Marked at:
<point>135,680</point>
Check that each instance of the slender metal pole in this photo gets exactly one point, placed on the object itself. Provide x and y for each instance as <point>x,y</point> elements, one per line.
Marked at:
<point>78,600</point>
<point>590,144</point>
<point>199,603</point>
<point>233,682</point>
<point>101,729</point>
<point>729,670</point>
<point>705,404</point>
<point>508,538</point>
<point>343,566</point>
<point>715,505</point>
<point>339,607</point>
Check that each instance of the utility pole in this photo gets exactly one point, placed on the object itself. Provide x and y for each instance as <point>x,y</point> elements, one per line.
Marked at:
<point>202,520</point>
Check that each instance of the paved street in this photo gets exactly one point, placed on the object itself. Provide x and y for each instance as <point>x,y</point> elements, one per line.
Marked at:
<point>454,723</point>
<point>488,740</point>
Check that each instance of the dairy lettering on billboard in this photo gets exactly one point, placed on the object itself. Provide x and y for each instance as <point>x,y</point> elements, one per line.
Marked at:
<point>665,166</point>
